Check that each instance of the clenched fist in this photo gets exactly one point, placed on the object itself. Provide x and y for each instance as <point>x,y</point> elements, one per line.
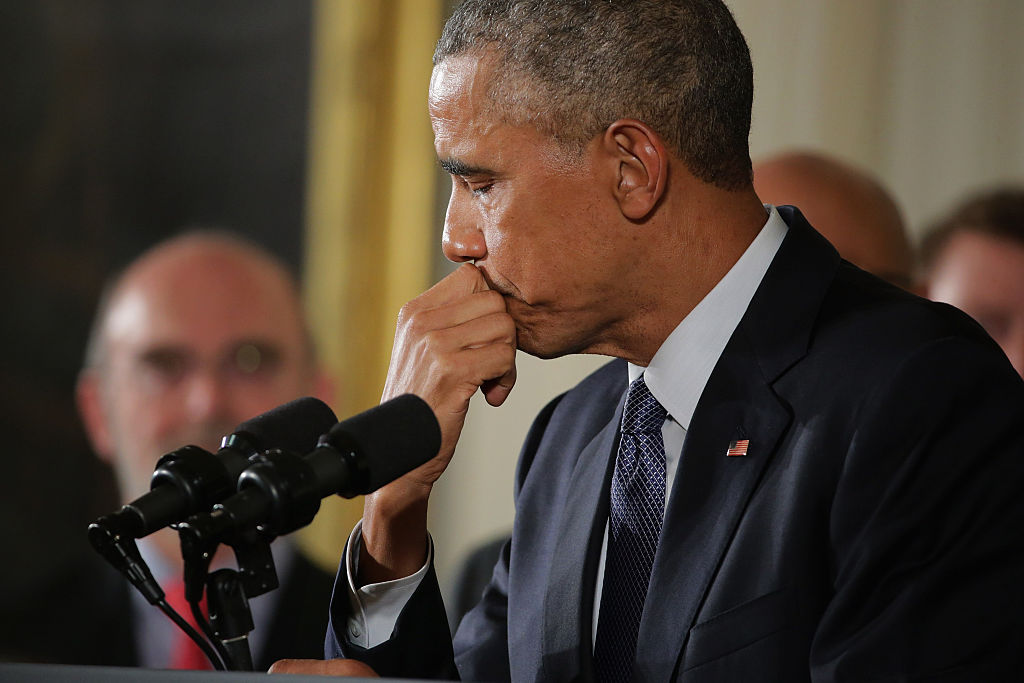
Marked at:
<point>455,338</point>
<point>452,340</point>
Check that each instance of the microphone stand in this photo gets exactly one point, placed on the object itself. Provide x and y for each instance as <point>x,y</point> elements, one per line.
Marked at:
<point>230,618</point>
<point>114,542</point>
<point>228,590</point>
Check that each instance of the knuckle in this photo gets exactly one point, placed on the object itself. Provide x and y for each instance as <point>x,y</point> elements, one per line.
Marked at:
<point>509,328</point>
<point>445,365</point>
<point>407,313</point>
<point>415,320</point>
<point>495,301</point>
<point>431,340</point>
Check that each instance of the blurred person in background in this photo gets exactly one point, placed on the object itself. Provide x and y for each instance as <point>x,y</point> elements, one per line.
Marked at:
<point>973,258</point>
<point>851,209</point>
<point>197,335</point>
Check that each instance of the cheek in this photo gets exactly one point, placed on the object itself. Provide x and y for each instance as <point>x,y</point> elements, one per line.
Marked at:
<point>143,417</point>
<point>140,435</point>
<point>148,425</point>
<point>248,404</point>
<point>515,232</point>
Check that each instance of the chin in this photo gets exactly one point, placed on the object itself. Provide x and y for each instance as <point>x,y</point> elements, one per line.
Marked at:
<point>545,349</point>
<point>543,355</point>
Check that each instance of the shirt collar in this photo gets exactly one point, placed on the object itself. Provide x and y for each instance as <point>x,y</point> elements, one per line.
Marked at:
<point>682,365</point>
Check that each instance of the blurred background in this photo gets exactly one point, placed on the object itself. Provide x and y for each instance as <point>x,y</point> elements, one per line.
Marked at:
<point>302,124</point>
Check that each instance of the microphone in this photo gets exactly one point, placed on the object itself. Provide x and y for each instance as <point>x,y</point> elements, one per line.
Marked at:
<point>281,491</point>
<point>190,479</point>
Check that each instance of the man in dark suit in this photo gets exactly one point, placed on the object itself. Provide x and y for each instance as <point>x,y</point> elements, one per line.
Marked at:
<point>795,472</point>
<point>197,335</point>
<point>847,206</point>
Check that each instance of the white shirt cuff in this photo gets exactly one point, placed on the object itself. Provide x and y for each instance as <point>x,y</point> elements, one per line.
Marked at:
<point>375,607</point>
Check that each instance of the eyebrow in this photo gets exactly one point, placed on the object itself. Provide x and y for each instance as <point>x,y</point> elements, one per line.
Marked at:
<point>161,352</point>
<point>458,167</point>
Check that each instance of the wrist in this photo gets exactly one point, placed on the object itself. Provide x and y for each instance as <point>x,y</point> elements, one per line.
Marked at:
<point>394,533</point>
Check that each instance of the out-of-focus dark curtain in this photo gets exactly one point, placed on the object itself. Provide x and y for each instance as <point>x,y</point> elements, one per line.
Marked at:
<point>121,122</point>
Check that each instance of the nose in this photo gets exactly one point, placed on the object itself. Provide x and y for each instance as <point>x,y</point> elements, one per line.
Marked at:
<point>462,240</point>
<point>207,397</point>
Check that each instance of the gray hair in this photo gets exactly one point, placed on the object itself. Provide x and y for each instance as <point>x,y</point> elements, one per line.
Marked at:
<point>572,67</point>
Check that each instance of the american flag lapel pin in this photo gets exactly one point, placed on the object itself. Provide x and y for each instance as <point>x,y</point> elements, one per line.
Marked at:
<point>738,448</point>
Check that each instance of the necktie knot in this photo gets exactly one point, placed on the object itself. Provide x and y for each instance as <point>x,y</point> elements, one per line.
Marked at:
<point>643,413</point>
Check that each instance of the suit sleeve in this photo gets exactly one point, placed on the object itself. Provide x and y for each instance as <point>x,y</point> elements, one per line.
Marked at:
<point>481,642</point>
<point>420,646</point>
<point>926,527</point>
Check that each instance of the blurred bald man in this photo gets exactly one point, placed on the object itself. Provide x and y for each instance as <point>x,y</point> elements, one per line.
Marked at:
<point>201,333</point>
<point>851,209</point>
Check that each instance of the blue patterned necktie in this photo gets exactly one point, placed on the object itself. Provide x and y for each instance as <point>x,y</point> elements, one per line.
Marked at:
<point>637,510</point>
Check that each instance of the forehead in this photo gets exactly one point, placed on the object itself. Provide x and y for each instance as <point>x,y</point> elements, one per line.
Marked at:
<point>203,301</point>
<point>980,269</point>
<point>461,81</point>
<point>470,127</point>
<point>459,101</point>
<point>982,254</point>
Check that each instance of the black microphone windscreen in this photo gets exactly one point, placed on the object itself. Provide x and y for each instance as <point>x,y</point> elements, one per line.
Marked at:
<point>295,426</point>
<point>391,439</point>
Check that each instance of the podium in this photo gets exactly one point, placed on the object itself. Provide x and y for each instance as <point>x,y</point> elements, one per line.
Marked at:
<point>59,673</point>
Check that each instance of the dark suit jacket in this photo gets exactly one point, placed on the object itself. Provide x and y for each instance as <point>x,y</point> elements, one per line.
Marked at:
<point>873,531</point>
<point>472,578</point>
<point>86,617</point>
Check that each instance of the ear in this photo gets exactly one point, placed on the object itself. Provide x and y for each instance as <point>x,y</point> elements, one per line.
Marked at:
<point>94,417</point>
<point>642,166</point>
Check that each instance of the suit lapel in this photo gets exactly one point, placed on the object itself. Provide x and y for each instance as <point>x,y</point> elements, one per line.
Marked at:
<point>709,496</point>
<point>568,608</point>
<point>712,490</point>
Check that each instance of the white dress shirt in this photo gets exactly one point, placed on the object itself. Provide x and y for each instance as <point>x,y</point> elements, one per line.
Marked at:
<point>676,377</point>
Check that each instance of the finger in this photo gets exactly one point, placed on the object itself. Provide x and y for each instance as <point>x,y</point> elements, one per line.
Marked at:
<point>463,281</point>
<point>322,667</point>
<point>483,364</point>
<point>446,367</point>
<point>454,313</point>
<point>434,364</point>
<point>492,328</point>
<point>495,391</point>
<point>440,349</point>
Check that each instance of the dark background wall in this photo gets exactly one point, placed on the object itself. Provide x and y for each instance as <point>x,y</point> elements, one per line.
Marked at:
<point>121,121</point>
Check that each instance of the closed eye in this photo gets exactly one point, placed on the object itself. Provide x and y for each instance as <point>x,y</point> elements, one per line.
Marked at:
<point>477,187</point>
<point>477,179</point>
